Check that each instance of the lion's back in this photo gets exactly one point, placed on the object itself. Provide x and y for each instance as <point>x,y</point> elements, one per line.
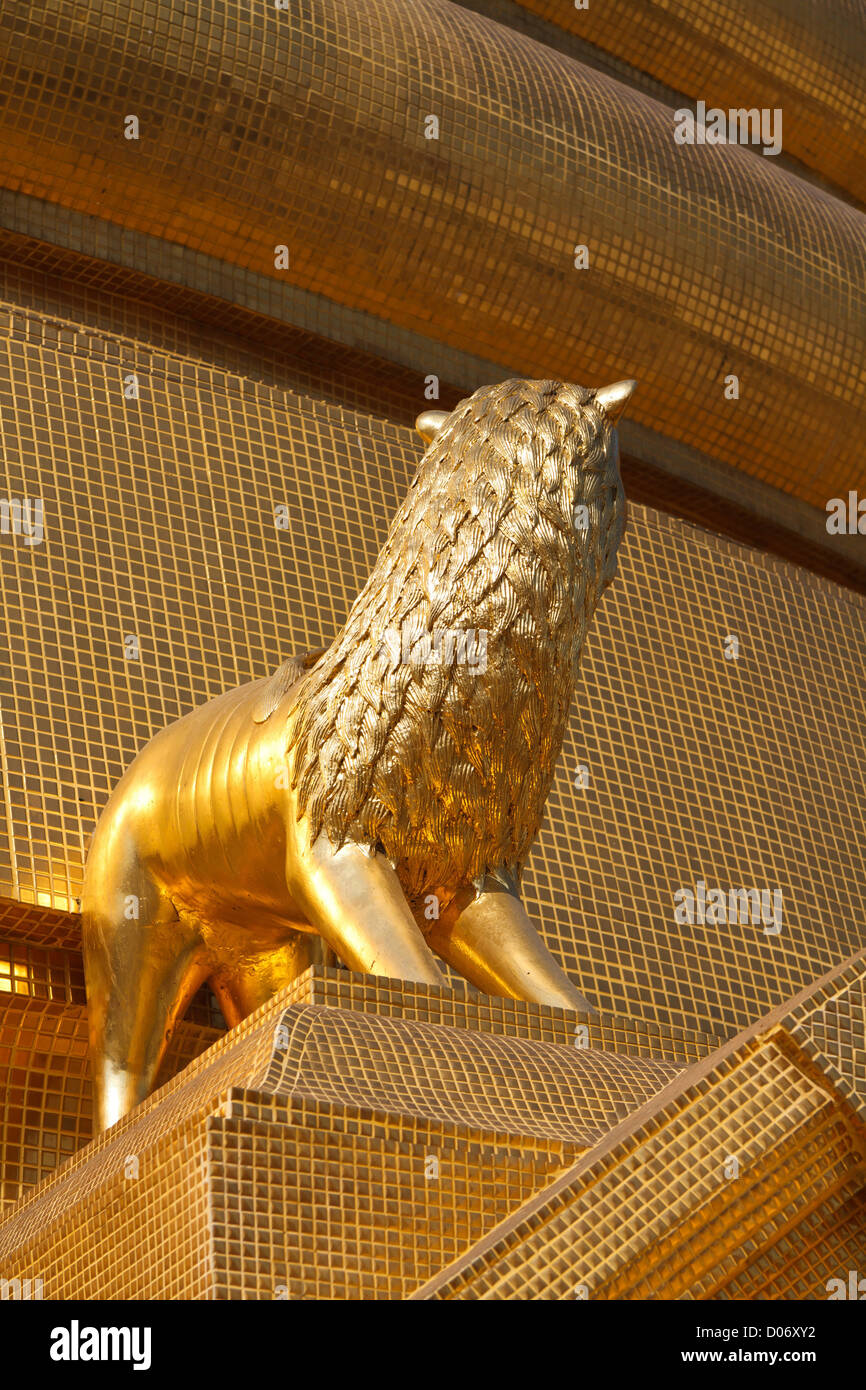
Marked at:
<point>193,795</point>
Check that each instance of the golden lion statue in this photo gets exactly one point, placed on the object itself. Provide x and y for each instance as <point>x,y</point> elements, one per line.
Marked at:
<point>382,795</point>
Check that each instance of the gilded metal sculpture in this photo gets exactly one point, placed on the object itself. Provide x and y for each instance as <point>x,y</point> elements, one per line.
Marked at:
<point>379,796</point>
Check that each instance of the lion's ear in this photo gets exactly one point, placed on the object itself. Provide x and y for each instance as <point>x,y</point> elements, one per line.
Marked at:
<point>429,423</point>
<point>613,399</point>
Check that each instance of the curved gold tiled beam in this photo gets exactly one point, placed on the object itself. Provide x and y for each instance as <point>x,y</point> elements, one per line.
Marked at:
<point>307,129</point>
<point>808,57</point>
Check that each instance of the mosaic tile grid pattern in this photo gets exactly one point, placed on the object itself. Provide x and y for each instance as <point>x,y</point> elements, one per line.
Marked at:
<point>741,521</point>
<point>38,926</point>
<point>358,1103</point>
<point>830,1029</point>
<point>360,1217</point>
<point>808,58</point>
<point>38,972</point>
<point>159,522</point>
<point>45,1088</point>
<point>461,1006</point>
<point>354,1173</point>
<point>43,1083</point>
<point>316,142</point>
<point>161,1252</point>
<point>111,298</point>
<point>46,1105</point>
<point>817,1157</point>
<point>655,1211</point>
<point>185,1095</point>
<point>484,1082</point>
<point>318,1203</point>
<point>108,297</point>
<point>310,1197</point>
<point>825,1245</point>
<point>343,368</point>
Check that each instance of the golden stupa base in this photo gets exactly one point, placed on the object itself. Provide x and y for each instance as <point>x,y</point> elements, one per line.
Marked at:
<point>370,1138</point>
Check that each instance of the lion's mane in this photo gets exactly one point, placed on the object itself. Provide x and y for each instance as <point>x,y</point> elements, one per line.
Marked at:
<point>444,766</point>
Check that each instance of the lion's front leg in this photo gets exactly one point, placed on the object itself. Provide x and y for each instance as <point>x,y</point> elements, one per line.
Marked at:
<point>493,942</point>
<point>354,899</point>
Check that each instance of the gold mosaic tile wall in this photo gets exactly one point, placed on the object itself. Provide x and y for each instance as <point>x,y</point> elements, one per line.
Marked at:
<point>307,1203</point>
<point>827,1243</point>
<point>266,1171</point>
<point>352,1208</point>
<point>658,1212</point>
<point>38,925</point>
<point>306,129</point>
<point>38,972</point>
<point>722,1185</point>
<point>564,1094</point>
<point>45,1088</point>
<point>46,1098</point>
<point>46,1101</point>
<point>461,1006</point>
<point>159,524</point>
<point>82,290</point>
<point>339,1210</point>
<point>806,56</point>
<point>147,1236</point>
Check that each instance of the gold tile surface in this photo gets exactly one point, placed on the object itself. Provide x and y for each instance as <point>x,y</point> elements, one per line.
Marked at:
<point>692,1195</point>
<point>46,1105</point>
<point>62,284</point>
<point>107,297</point>
<point>159,517</point>
<point>809,58</point>
<point>266,1171</point>
<point>306,129</point>
<point>829,1241</point>
<point>259,1172</point>
<point>478,1081</point>
<point>216,485</point>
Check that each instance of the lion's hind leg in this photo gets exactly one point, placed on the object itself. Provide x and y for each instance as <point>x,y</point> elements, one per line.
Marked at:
<point>143,963</point>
